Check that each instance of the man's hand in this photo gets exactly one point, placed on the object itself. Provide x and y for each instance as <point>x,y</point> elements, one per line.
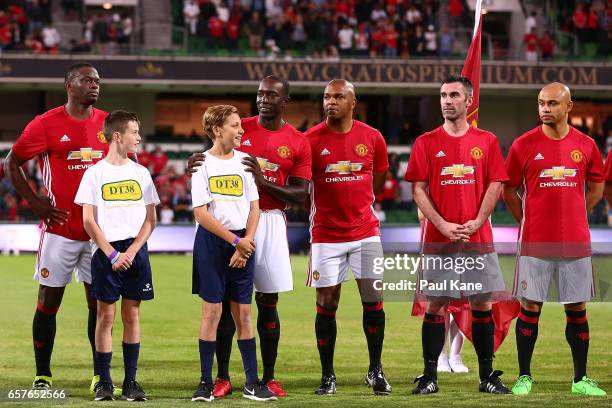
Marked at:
<point>252,166</point>
<point>472,226</point>
<point>454,232</point>
<point>237,260</point>
<point>195,161</point>
<point>246,247</point>
<point>43,208</point>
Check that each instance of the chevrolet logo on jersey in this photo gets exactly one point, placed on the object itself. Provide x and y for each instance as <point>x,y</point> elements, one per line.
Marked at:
<point>343,167</point>
<point>229,185</point>
<point>86,154</point>
<point>558,173</point>
<point>457,170</point>
<point>126,190</point>
<point>265,165</point>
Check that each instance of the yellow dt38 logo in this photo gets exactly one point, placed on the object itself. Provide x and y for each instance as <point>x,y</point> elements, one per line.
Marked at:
<point>230,185</point>
<point>126,190</point>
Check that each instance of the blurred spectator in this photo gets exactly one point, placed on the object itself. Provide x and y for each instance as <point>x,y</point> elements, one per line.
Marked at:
<point>362,40</point>
<point>223,11</point>
<point>345,40</point>
<point>127,26</point>
<point>233,33</point>
<point>215,32</point>
<point>391,40</point>
<point>181,203</point>
<point>166,214</point>
<point>254,30</point>
<point>377,40</point>
<point>389,195</point>
<point>413,16</point>
<point>446,42</point>
<point>406,198</point>
<point>378,13</point>
<point>191,13</point>
<point>299,33</point>
<point>530,22</point>
<point>547,46</point>
<point>51,38</point>
<point>431,41</point>
<point>99,34</point>
<point>531,46</point>
<point>455,9</point>
<point>580,18</point>
<point>417,42</point>
<point>159,159</point>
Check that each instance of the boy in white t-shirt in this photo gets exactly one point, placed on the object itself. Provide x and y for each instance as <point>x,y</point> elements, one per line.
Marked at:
<point>119,199</point>
<point>226,208</point>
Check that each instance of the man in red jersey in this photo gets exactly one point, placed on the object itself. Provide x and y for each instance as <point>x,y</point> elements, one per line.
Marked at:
<point>456,171</point>
<point>349,164</point>
<point>67,140</point>
<point>552,164</point>
<point>281,164</point>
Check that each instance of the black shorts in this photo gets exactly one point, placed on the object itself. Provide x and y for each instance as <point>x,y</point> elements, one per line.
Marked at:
<point>135,284</point>
<point>212,277</point>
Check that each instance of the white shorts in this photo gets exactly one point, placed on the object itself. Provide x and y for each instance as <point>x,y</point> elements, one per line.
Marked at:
<point>329,262</point>
<point>272,263</point>
<point>58,257</point>
<point>573,279</point>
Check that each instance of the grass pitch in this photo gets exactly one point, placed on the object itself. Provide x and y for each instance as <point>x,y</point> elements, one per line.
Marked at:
<point>169,364</point>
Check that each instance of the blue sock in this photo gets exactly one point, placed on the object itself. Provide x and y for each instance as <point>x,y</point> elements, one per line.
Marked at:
<point>207,354</point>
<point>248,349</point>
<point>130,361</point>
<point>104,365</point>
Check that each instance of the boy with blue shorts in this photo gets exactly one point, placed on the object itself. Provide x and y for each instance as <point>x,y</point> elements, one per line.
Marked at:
<point>226,208</point>
<point>119,199</point>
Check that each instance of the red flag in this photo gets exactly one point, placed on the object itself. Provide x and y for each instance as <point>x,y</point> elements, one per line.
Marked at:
<point>471,67</point>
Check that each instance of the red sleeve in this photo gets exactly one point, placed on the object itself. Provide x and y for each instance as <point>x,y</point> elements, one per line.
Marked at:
<point>595,167</point>
<point>496,170</point>
<point>302,167</point>
<point>514,167</point>
<point>608,172</point>
<point>418,168</point>
<point>32,142</point>
<point>381,161</point>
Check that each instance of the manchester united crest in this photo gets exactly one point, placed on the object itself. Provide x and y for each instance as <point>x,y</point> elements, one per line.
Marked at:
<point>284,152</point>
<point>101,137</point>
<point>576,156</point>
<point>316,275</point>
<point>361,149</point>
<point>44,272</point>
<point>476,152</point>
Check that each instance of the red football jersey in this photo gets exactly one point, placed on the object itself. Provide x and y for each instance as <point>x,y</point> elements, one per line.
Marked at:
<point>552,174</point>
<point>281,154</point>
<point>341,191</point>
<point>458,171</point>
<point>65,147</point>
<point>608,171</point>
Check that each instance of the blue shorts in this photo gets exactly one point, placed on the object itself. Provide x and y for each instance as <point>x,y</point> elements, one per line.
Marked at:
<point>212,277</point>
<point>135,284</point>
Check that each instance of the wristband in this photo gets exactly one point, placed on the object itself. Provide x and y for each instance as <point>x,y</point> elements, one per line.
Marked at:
<point>112,255</point>
<point>115,257</point>
<point>236,241</point>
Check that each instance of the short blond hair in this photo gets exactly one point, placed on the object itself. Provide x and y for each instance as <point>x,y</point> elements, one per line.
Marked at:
<point>216,116</point>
